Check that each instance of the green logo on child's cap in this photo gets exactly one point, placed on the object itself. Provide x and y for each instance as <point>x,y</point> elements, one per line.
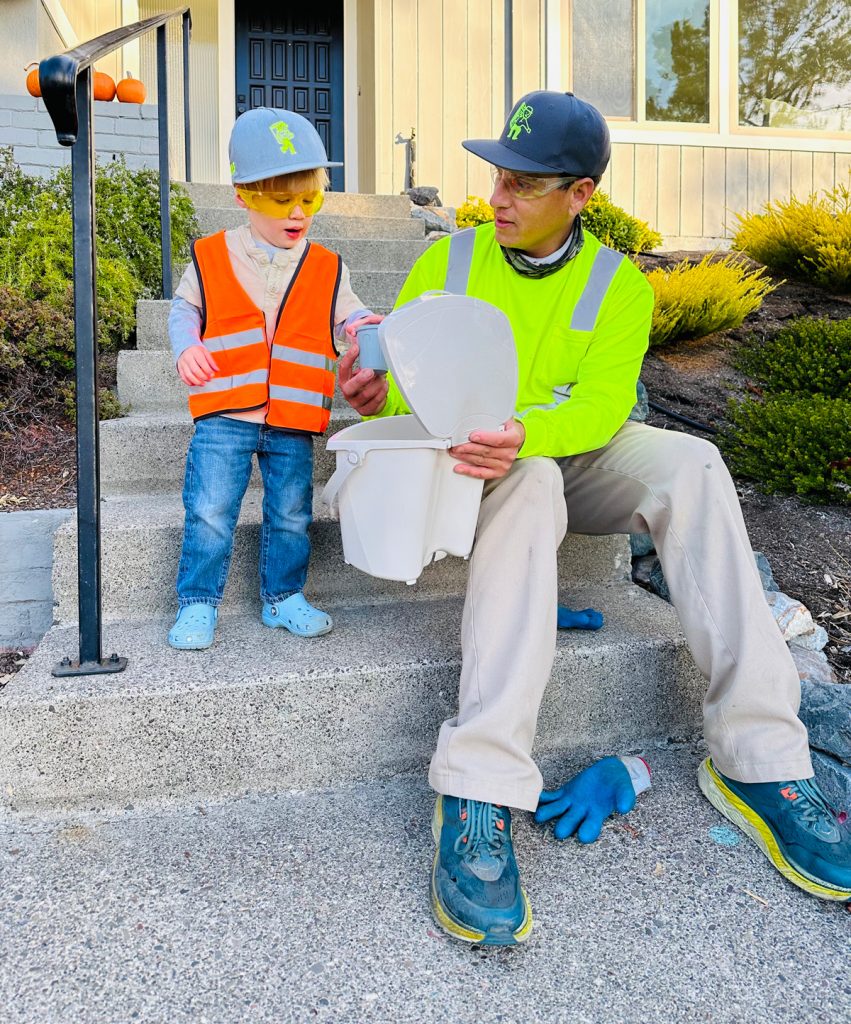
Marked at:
<point>283,136</point>
<point>232,168</point>
<point>520,119</point>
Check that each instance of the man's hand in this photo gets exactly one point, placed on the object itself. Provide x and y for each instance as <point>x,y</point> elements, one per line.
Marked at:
<point>196,366</point>
<point>489,455</point>
<point>365,390</point>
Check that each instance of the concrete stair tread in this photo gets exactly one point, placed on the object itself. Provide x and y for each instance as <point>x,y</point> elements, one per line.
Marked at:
<point>264,711</point>
<point>314,906</point>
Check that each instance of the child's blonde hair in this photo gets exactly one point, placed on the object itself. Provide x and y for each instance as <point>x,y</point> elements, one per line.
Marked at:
<point>298,181</point>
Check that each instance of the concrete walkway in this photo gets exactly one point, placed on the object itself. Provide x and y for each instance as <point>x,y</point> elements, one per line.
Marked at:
<point>314,906</point>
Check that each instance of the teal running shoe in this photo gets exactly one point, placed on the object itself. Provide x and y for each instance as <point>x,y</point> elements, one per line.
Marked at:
<point>475,886</point>
<point>792,823</point>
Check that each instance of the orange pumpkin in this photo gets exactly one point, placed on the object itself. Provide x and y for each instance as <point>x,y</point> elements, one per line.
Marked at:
<point>130,90</point>
<point>104,87</point>
<point>33,88</point>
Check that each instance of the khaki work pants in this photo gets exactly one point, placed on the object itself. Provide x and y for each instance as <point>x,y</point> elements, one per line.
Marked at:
<point>676,488</point>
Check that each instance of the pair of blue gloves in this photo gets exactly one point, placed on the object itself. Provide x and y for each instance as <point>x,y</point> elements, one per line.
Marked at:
<point>583,803</point>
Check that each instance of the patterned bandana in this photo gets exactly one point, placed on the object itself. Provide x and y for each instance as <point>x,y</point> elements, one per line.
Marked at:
<point>517,261</point>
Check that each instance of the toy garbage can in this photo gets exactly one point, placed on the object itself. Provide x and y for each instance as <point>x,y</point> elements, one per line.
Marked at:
<point>401,504</point>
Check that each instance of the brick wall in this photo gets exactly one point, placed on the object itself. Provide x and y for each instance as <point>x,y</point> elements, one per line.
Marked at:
<point>125,129</point>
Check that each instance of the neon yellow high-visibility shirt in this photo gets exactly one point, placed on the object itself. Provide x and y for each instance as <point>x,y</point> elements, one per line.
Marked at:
<point>598,369</point>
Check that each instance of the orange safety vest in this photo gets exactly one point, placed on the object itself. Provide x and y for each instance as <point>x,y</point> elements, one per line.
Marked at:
<point>295,380</point>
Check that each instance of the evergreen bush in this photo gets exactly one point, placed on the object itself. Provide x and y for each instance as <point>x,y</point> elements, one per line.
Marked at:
<point>617,228</point>
<point>810,240</point>
<point>696,299</point>
<point>808,357</point>
<point>797,444</point>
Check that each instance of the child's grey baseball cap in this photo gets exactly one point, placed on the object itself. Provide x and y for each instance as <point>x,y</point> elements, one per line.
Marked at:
<point>265,143</point>
<point>549,133</point>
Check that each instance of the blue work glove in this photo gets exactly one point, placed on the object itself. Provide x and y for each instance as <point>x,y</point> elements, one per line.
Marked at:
<point>588,618</point>
<point>585,801</point>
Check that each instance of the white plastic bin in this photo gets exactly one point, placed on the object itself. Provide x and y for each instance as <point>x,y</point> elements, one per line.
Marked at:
<point>401,504</point>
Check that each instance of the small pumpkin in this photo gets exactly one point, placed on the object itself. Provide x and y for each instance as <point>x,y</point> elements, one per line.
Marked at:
<point>104,87</point>
<point>33,87</point>
<point>130,90</point>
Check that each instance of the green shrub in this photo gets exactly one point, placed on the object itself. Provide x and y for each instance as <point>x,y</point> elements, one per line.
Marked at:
<point>109,408</point>
<point>809,239</point>
<point>797,444</point>
<point>616,228</point>
<point>693,300</point>
<point>808,357</point>
<point>127,206</point>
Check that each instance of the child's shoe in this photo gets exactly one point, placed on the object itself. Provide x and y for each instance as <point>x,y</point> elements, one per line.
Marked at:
<point>298,616</point>
<point>194,627</point>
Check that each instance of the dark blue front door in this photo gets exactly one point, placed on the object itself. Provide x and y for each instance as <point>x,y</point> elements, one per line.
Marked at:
<point>294,61</point>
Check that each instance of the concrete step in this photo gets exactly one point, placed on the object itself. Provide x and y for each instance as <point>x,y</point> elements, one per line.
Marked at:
<point>314,907</point>
<point>266,711</point>
<point>142,535</point>
<point>345,204</point>
<point>145,452</point>
<point>327,228</point>
<point>370,255</point>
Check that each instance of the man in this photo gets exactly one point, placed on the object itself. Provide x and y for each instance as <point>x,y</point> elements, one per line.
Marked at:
<point>581,315</point>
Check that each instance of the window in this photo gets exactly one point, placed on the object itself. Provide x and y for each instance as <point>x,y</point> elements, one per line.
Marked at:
<point>604,55</point>
<point>795,64</point>
<point>676,38</point>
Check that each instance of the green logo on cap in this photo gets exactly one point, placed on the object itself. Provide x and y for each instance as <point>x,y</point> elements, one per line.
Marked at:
<point>520,119</point>
<point>283,136</point>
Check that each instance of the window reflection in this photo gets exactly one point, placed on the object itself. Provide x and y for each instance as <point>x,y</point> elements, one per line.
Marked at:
<point>795,63</point>
<point>677,60</point>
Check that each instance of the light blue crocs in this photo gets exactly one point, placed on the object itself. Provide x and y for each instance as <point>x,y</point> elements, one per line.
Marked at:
<point>194,627</point>
<point>298,616</point>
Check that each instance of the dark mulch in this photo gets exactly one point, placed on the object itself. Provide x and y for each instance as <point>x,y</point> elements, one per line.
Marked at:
<point>808,546</point>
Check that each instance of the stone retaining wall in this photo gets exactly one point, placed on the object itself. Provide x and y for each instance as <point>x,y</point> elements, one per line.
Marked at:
<point>121,129</point>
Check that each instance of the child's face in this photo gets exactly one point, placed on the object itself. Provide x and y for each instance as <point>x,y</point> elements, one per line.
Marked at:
<point>282,232</point>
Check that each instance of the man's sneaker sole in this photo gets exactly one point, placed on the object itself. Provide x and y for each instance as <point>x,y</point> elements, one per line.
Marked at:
<point>756,828</point>
<point>456,928</point>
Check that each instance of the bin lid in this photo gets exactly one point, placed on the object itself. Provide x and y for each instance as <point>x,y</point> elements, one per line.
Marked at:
<point>454,361</point>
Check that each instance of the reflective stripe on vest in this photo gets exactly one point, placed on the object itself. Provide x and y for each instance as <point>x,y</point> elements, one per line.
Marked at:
<point>460,260</point>
<point>585,312</point>
<point>295,380</point>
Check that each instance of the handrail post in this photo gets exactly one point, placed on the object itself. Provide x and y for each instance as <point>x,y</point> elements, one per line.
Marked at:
<point>165,170</point>
<point>187,148</point>
<point>88,448</point>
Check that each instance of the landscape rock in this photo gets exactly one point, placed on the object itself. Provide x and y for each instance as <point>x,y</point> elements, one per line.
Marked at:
<point>765,573</point>
<point>641,544</point>
<point>812,666</point>
<point>658,583</point>
<point>834,779</point>
<point>792,617</point>
<point>826,712</point>
<point>814,641</point>
<point>641,409</point>
<point>424,195</point>
<point>437,218</point>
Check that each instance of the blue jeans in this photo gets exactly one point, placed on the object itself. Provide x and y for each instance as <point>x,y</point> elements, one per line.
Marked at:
<point>218,468</point>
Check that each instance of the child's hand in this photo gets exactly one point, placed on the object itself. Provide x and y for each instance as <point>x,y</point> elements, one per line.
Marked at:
<point>364,390</point>
<point>351,329</point>
<point>196,366</point>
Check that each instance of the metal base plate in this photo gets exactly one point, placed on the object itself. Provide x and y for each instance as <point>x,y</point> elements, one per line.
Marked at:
<point>66,667</point>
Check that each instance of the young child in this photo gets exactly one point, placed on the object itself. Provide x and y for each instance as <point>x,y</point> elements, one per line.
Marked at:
<point>253,327</point>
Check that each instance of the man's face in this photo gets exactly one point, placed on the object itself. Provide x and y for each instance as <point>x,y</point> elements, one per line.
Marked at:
<point>539,226</point>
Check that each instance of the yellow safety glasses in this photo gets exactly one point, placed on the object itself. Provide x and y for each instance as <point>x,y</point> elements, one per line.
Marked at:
<point>282,204</point>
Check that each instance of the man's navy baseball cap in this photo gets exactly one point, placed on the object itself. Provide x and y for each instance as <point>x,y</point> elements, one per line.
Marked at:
<point>549,133</point>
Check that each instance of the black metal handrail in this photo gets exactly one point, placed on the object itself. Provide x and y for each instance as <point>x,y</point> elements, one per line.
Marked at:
<point>66,87</point>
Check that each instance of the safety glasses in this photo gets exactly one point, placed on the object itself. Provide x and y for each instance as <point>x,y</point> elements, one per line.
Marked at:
<point>527,186</point>
<point>282,204</point>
